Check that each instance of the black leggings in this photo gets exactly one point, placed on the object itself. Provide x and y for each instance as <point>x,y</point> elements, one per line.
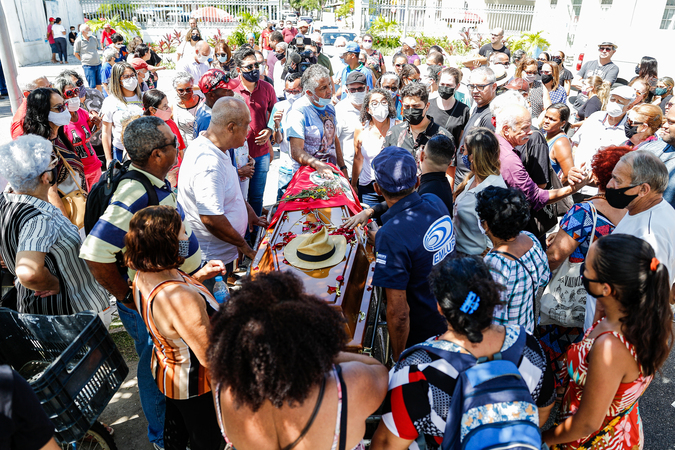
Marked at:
<point>194,421</point>
<point>62,46</point>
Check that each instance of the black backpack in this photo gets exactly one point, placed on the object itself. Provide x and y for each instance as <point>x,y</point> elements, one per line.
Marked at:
<point>101,193</point>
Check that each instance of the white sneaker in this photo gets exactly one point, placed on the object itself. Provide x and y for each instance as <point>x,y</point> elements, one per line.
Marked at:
<point>157,447</point>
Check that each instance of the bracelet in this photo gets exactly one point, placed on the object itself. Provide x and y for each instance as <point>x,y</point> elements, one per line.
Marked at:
<point>343,167</point>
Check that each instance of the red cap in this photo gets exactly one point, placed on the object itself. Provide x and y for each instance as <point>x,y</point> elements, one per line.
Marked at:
<point>518,84</point>
<point>138,64</point>
<point>216,79</point>
<point>51,19</point>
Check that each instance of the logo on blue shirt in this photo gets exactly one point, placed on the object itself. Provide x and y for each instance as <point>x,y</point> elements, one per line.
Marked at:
<point>440,239</point>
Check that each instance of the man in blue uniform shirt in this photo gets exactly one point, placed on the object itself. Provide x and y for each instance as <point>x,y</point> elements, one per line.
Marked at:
<point>417,234</point>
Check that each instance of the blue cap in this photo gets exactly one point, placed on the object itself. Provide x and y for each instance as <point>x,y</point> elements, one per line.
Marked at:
<point>352,47</point>
<point>395,169</point>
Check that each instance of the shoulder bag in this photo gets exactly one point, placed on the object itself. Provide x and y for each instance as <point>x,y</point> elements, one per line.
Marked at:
<point>74,202</point>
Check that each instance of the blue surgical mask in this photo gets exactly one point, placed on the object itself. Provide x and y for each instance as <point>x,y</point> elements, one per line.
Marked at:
<point>322,101</point>
<point>465,160</point>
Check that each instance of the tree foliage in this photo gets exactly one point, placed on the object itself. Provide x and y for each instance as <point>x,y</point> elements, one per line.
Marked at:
<point>126,28</point>
<point>529,42</point>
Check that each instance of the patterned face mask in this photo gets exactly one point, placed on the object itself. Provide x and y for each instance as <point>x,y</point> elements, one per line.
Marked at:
<point>184,248</point>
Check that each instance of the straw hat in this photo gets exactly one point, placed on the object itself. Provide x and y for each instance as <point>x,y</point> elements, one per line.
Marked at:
<point>316,250</point>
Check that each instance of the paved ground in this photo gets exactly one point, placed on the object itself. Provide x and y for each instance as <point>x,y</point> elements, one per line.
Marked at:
<point>124,412</point>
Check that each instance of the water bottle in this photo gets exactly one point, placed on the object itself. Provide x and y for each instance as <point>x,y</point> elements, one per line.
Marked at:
<point>220,291</point>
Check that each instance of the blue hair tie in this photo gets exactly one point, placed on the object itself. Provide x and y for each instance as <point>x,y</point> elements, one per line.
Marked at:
<point>470,304</point>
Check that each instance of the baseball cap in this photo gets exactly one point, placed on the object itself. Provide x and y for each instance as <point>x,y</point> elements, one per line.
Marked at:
<point>409,41</point>
<point>500,74</point>
<point>356,77</point>
<point>51,19</point>
<point>217,79</point>
<point>626,92</point>
<point>303,23</point>
<point>352,47</point>
<point>395,169</point>
<point>138,64</point>
<point>518,84</point>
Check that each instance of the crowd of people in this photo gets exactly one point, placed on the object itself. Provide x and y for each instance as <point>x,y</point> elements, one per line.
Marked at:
<point>517,217</point>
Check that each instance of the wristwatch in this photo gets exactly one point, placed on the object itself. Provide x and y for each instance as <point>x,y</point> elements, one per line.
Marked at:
<point>343,167</point>
<point>129,298</point>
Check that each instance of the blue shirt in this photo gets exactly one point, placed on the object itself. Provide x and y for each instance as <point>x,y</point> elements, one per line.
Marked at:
<point>399,106</point>
<point>417,234</point>
<point>316,126</point>
<point>202,119</point>
<point>346,70</point>
<point>666,153</point>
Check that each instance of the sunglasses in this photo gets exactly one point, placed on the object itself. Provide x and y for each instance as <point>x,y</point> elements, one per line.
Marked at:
<point>174,143</point>
<point>390,88</point>
<point>71,93</point>
<point>59,108</point>
<point>530,73</point>
<point>250,67</point>
<point>399,65</point>
<point>605,49</point>
<point>630,122</point>
<point>354,90</point>
<point>79,83</point>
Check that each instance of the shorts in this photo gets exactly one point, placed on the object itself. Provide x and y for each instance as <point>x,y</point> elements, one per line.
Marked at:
<point>93,75</point>
<point>55,48</point>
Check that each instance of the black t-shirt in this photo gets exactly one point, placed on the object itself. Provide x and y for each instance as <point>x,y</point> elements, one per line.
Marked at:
<point>437,183</point>
<point>535,157</point>
<point>400,135</point>
<point>23,423</point>
<point>454,119</point>
<point>155,59</point>
<point>588,108</point>
<point>481,117</point>
<point>487,50</point>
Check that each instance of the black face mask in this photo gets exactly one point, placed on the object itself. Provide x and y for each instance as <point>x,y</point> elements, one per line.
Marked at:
<point>546,79</point>
<point>445,92</point>
<point>280,56</point>
<point>557,60</point>
<point>414,116</point>
<point>630,131</point>
<point>617,198</point>
<point>637,70</point>
<point>587,285</point>
<point>196,38</point>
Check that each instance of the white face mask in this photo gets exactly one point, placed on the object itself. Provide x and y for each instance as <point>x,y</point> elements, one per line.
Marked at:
<point>130,83</point>
<point>119,45</point>
<point>292,97</point>
<point>73,104</point>
<point>614,109</point>
<point>357,97</point>
<point>59,119</point>
<point>222,59</point>
<point>146,76</point>
<point>203,59</point>
<point>480,226</point>
<point>529,77</point>
<point>379,113</point>
<point>367,45</point>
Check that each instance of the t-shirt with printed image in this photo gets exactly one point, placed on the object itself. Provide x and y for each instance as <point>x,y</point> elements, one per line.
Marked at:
<point>316,125</point>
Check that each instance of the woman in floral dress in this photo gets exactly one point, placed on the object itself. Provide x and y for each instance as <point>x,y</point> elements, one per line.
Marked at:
<point>615,362</point>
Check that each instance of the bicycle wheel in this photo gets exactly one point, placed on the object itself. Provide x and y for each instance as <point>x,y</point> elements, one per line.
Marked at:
<point>97,438</point>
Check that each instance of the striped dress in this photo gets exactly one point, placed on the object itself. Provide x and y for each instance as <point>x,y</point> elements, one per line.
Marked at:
<point>176,369</point>
<point>30,224</point>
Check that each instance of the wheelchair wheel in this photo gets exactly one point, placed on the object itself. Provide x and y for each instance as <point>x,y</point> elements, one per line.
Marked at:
<point>97,438</point>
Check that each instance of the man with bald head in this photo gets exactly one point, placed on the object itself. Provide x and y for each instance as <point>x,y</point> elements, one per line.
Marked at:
<point>496,44</point>
<point>208,187</point>
<point>198,65</point>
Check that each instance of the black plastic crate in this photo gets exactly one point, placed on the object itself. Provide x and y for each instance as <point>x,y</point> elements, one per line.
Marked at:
<point>71,362</point>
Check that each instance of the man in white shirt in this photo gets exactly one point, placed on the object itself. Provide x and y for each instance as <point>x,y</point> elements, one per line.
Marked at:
<point>279,83</point>
<point>208,187</point>
<point>340,47</point>
<point>638,182</point>
<point>347,113</point>
<point>198,65</point>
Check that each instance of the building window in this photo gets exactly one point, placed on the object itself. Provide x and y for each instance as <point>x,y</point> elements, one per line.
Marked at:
<point>606,2</point>
<point>576,6</point>
<point>668,13</point>
<point>554,2</point>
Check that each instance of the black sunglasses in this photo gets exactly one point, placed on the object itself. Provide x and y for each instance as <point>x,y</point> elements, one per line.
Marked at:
<point>174,143</point>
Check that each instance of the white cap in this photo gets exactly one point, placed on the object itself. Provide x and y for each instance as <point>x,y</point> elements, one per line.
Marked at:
<point>627,92</point>
<point>409,41</point>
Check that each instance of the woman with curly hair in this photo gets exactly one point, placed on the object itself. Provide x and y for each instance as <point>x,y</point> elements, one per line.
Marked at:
<point>613,365</point>
<point>176,309</point>
<point>516,259</point>
<point>282,379</point>
<point>422,383</point>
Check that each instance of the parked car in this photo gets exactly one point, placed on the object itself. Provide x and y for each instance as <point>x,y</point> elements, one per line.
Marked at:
<point>293,17</point>
<point>307,19</point>
<point>329,38</point>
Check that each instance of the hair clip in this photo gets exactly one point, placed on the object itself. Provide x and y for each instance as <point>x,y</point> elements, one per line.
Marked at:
<point>654,264</point>
<point>470,304</point>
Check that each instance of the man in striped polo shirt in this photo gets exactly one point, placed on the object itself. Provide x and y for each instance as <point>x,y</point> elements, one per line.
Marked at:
<point>151,146</point>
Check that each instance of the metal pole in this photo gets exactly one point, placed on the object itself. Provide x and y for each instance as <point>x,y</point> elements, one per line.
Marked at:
<point>9,63</point>
<point>405,19</point>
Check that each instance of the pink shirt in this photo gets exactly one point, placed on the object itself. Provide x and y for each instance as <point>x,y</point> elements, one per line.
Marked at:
<point>515,175</point>
<point>260,103</point>
<point>79,135</point>
<point>50,35</point>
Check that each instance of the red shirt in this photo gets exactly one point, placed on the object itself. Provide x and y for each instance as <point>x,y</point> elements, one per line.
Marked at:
<point>105,37</point>
<point>50,35</point>
<point>289,34</point>
<point>17,120</point>
<point>260,103</point>
<point>266,39</point>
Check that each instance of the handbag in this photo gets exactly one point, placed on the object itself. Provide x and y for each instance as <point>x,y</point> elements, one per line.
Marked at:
<point>564,299</point>
<point>75,201</point>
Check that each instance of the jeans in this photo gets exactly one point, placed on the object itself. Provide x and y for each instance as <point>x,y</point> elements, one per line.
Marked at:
<point>285,176</point>
<point>256,189</point>
<point>368,195</point>
<point>118,154</point>
<point>93,75</point>
<point>62,46</point>
<point>153,401</point>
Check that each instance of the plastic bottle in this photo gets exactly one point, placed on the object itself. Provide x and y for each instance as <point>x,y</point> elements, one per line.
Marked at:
<point>220,291</point>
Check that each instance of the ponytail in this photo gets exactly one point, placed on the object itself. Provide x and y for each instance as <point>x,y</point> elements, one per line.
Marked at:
<point>603,93</point>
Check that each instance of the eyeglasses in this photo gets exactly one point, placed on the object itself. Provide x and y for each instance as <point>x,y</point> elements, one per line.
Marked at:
<point>174,143</point>
<point>250,67</point>
<point>390,88</point>
<point>478,87</point>
<point>294,91</point>
<point>127,77</point>
<point>605,49</point>
<point>78,83</point>
<point>59,108</point>
<point>375,104</point>
<point>414,80</point>
<point>71,93</point>
<point>630,123</point>
<point>184,91</point>
<point>530,73</point>
<point>354,90</point>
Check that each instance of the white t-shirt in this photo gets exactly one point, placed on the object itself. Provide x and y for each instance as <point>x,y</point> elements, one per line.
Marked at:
<point>654,226</point>
<point>59,31</point>
<point>279,84</point>
<point>209,185</point>
<point>195,69</point>
<point>347,117</point>
<point>115,111</point>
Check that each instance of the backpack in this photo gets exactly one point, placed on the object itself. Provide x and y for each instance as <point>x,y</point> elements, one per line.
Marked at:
<point>491,406</point>
<point>101,193</point>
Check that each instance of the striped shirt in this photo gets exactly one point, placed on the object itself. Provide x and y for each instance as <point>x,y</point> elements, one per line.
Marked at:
<point>28,224</point>
<point>176,369</point>
<point>106,240</point>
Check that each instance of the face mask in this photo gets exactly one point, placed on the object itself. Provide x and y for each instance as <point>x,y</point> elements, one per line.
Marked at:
<point>357,97</point>
<point>637,70</point>
<point>203,59</point>
<point>557,60</point>
<point>379,113</point>
<point>119,45</point>
<point>367,45</point>
<point>465,160</point>
<point>630,131</point>
<point>59,119</point>
<point>73,104</point>
<point>614,109</point>
<point>55,173</point>
<point>546,79</point>
<point>660,91</point>
<point>196,37</point>
<point>480,226</point>
<point>393,93</point>
<point>322,101</point>
<point>529,77</point>
<point>280,56</point>
<point>163,114</point>
<point>252,76</point>
<point>183,248</point>
<point>130,84</point>
<point>617,198</point>
<point>292,97</point>
<point>587,286</point>
<point>445,92</point>
<point>83,92</point>
<point>414,116</point>
<point>222,59</point>
<point>146,76</point>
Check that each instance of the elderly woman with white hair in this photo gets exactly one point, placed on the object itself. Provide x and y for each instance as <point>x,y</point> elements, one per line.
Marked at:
<point>185,105</point>
<point>37,243</point>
